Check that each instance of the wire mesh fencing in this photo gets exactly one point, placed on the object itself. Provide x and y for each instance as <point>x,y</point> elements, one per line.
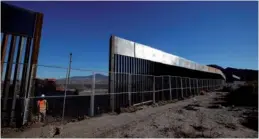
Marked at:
<point>74,94</point>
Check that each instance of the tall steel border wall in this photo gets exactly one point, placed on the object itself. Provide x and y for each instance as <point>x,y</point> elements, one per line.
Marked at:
<point>25,27</point>
<point>131,64</point>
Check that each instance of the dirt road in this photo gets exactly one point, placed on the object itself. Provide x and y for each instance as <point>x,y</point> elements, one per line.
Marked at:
<point>194,117</point>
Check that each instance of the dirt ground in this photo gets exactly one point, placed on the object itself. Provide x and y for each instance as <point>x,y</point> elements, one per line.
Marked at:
<point>200,116</point>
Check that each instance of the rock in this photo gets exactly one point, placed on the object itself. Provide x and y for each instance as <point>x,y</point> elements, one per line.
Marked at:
<point>54,131</point>
<point>132,109</point>
<point>86,117</point>
<point>122,110</point>
<point>155,105</point>
<point>180,111</point>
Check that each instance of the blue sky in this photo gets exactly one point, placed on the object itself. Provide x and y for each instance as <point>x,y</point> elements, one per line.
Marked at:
<point>222,33</point>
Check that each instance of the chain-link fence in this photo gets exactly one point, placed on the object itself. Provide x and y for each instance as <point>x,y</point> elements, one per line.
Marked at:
<point>73,94</point>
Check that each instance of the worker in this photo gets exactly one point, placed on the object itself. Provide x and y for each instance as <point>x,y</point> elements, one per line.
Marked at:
<point>42,108</point>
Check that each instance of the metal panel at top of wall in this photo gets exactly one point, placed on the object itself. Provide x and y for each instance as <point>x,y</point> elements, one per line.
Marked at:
<point>212,70</point>
<point>165,59</point>
<point>209,69</point>
<point>159,56</point>
<point>169,59</point>
<point>186,64</point>
<point>124,47</point>
<point>199,67</point>
<point>174,60</point>
<point>13,15</point>
<point>181,62</point>
<point>192,65</point>
<point>148,53</point>
<point>206,68</point>
<point>132,49</point>
<point>141,51</point>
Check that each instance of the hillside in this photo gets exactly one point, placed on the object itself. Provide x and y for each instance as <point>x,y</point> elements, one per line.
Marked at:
<point>244,74</point>
<point>99,78</point>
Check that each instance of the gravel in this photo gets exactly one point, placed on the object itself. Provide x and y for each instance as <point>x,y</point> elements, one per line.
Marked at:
<point>188,118</point>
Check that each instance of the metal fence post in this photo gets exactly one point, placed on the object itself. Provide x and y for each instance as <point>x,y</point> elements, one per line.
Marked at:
<point>208,85</point>
<point>217,84</point>
<point>186,86</point>
<point>202,85</point>
<point>197,85</point>
<point>16,78</point>
<point>163,93</point>
<point>210,82</point>
<point>154,89</point>
<point>27,98</point>
<point>67,82</point>
<point>129,90</point>
<point>92,96</point>
<point>190,86</point>
<point>176,88</point>
<point>181,88</point>
<point>170,88</point>
<point>7,80</point>
<point>214,84</point>
<point>216,87</point>
<point>220,84</point>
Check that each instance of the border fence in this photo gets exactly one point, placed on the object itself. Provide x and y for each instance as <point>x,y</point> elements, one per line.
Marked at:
<point>149,74</point>
<point>138,74</point>
<point>73,98</point>
<point>21,35</point>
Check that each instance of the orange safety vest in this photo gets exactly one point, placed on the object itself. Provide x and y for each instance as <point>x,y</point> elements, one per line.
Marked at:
<point>42,105</point>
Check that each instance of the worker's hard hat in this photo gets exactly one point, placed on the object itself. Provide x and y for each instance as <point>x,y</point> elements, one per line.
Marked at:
<point>42,95</point>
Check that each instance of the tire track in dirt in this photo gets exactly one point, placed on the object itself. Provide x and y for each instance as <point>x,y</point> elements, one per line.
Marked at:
<point>127,127</point>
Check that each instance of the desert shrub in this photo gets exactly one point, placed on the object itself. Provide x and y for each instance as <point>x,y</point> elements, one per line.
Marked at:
<point>227,89</point>
<point>246,95</point>
<point>251,120</point>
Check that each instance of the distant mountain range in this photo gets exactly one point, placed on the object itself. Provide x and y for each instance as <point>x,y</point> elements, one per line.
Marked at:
<point>99,78</point>
<point>244,74</point>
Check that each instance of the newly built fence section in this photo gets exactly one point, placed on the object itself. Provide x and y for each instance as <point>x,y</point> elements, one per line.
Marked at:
<point>132,89</point>
<point>137,74</point>
<point>93,98</point>
<point>21,34</point>
<point>140,73</point>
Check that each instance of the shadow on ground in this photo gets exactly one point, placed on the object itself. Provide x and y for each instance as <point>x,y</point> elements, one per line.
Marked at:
<point>244,96</point>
